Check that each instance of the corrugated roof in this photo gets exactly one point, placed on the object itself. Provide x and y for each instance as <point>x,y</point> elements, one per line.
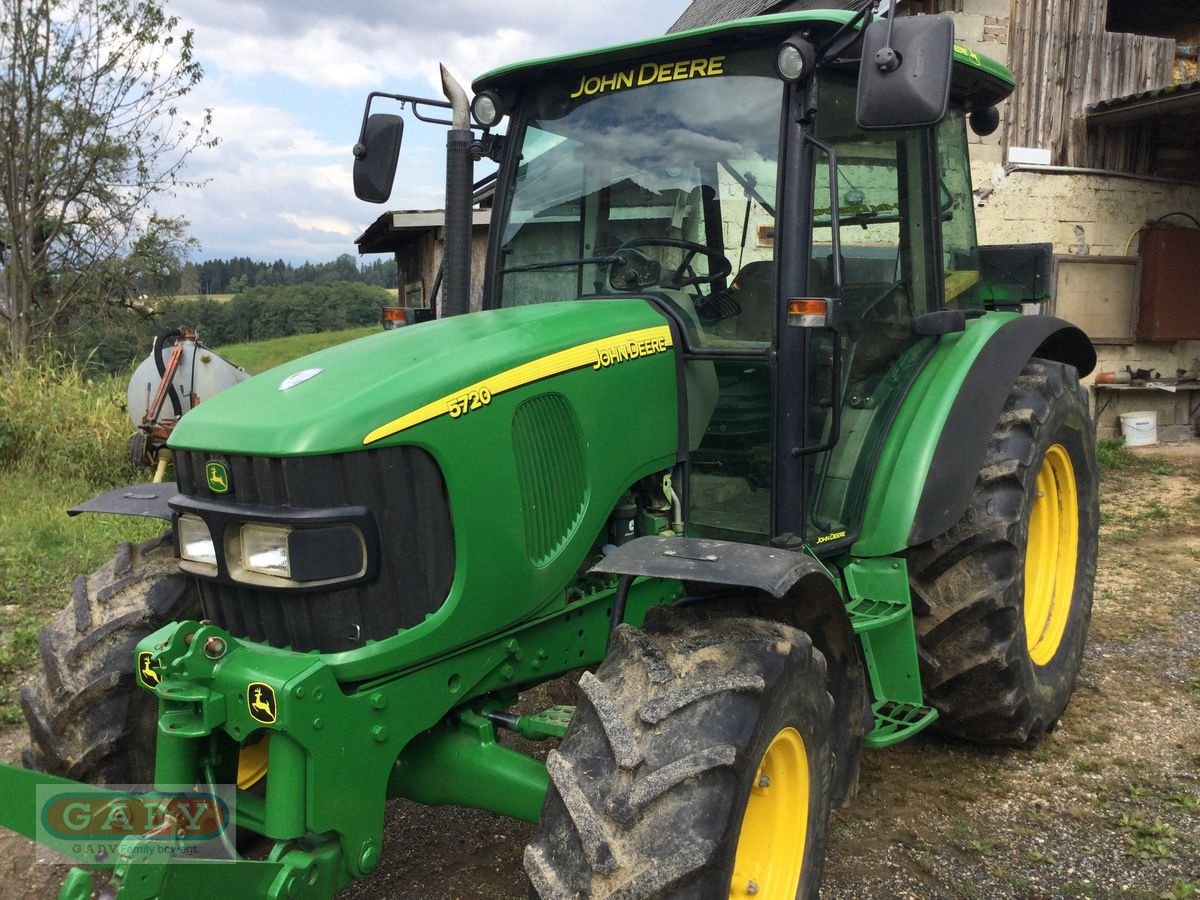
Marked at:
<point>713,12</point>
<point>1177,99</point>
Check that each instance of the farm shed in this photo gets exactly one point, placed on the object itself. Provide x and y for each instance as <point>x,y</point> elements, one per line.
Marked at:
<point>415,238</point>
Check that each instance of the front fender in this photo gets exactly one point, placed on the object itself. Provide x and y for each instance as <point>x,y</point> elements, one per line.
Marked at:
<point>931,457</point>
<point>149,500</point>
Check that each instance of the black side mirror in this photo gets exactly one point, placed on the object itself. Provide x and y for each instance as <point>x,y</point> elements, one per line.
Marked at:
<point>904,78</point>
<point>375,157</point>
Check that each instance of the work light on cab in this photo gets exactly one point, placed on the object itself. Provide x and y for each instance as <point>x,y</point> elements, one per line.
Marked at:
<point>794,59</point>
<point>487,109</point>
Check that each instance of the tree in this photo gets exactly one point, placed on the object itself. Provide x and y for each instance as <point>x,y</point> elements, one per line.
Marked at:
<point>189,280</point>
<point>90,132</point>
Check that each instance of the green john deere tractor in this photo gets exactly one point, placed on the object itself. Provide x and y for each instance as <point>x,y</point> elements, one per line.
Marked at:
<point>744,431</point>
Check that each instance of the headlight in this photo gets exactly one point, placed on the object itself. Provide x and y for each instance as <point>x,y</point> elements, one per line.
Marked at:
<point>296,555</point>
<point>276,548</point>
<point>195,541</point>
<point>265,550</point>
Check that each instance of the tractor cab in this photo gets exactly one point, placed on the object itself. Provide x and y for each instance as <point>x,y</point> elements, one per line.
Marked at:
<point>803,220</point>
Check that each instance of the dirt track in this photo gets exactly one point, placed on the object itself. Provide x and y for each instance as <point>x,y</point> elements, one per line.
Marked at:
<point>1108,806</point>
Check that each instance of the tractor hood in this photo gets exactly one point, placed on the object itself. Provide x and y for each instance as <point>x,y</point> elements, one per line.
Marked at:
<point>381,388</point>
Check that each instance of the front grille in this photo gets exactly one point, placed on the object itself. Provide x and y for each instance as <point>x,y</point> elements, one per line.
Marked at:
<point>405,492</point>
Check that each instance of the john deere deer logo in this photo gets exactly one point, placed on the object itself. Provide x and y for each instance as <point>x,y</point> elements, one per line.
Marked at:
<point>146,672</point>
<point>260,700</point>
<point>217,477</point>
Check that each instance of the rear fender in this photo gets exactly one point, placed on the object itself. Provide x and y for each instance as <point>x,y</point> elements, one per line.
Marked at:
<point>931,458</point>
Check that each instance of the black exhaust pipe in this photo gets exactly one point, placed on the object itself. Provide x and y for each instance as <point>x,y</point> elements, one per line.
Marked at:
<point>456,252</point>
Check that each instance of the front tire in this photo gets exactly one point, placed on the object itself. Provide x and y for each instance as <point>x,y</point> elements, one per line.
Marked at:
<point>1004,598</point>
<point>88,719</point>
<point>698,764</point>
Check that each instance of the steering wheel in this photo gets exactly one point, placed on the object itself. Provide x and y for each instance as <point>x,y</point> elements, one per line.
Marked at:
<point>633,270</point>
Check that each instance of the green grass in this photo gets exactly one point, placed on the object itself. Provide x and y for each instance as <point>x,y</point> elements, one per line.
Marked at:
<point>1112,454</point>
<point>62,440</point>
<point>262,355</point>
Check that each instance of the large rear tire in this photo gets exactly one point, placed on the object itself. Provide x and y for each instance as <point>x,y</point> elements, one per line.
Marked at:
<point>88,720</point>
<point>698,764</point>
<point>1004,598</point>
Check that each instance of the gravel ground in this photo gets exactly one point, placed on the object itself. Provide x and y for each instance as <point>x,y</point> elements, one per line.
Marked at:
<point>1107,806</point>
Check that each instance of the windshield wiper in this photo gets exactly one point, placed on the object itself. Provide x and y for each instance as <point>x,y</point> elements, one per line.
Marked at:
<point>563,264</point>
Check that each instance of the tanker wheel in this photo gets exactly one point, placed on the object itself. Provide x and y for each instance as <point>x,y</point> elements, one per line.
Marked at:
<point>698,764</point>
<point>1003,599</point>
<point>137,451</point>
<point>88,719</point>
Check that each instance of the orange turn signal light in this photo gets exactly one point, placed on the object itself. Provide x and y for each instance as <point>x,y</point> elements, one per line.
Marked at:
<point>808,312</point>
<point>394,317</point>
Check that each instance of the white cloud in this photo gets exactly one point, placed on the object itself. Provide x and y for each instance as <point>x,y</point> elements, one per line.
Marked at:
<point>357,45</point>
<point>286,83</point>
<point>325,224</point>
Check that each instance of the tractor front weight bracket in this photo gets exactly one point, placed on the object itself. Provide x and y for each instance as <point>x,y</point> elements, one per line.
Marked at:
<point>313,870</point>
<point>216,693</point>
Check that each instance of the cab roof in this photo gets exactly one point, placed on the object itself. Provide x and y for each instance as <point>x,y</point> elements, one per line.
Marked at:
<point>977,81</point>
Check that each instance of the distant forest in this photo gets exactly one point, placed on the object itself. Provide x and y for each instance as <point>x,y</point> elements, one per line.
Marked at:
<point>239,274</point>
<point>269,300</point>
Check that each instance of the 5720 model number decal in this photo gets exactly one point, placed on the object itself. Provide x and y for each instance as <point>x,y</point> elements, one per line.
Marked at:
<point>596,355</point>
<point>464,403</point>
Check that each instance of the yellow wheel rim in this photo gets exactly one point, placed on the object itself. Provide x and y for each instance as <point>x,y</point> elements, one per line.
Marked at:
<point>770,850</point>
<point>1050,555</point>
<point>252,764</point>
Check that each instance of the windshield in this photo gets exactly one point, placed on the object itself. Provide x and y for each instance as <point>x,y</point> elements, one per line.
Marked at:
<point>653,178</point>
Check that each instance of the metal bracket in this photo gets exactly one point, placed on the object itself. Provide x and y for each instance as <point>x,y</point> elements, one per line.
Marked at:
<point>149,500</point>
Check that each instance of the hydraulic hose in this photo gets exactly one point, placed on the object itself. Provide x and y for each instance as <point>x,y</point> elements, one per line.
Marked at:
<point>159,340</point>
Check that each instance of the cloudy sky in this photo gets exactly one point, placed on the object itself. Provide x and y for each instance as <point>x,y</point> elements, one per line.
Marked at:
<point>286,80</point>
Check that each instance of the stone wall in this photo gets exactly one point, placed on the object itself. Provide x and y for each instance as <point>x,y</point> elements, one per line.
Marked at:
<point>982,26</point>
<point>1096,215</point>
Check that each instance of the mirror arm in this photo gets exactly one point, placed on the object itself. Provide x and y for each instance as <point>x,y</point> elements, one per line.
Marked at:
<point>845,36</point>
<point>360,148</point>
<point>885,57</point>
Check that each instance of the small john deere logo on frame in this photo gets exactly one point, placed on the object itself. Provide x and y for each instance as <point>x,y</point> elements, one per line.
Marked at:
<point>217,477</point>
<point>148,673</point>
<point>260,700</point>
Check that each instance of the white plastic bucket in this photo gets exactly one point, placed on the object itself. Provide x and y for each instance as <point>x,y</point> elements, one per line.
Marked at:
<point>1140,428</point>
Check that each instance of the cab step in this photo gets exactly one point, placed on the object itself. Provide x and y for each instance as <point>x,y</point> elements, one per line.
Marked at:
<point>869,614</point>
<point>896,722</point>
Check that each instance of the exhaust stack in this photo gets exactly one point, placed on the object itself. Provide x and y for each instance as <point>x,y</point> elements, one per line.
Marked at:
<point>456,254</point>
